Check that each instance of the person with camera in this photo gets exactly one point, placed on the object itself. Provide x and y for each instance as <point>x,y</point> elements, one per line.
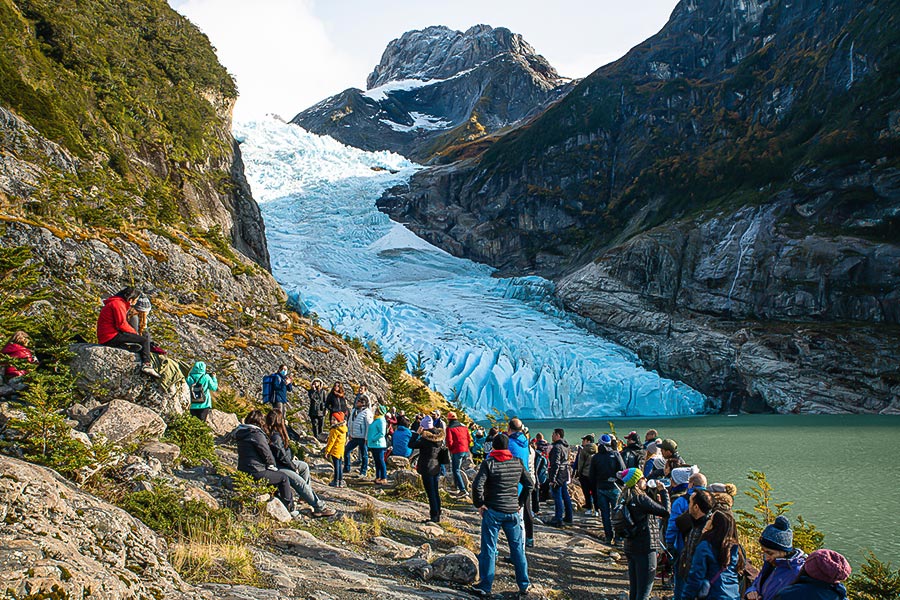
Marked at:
<point>281,386</point>
<point>640,548</point>
<point>429,440</point>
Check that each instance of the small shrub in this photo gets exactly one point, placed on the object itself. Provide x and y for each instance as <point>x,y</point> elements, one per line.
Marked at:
<point>874,580</point>
<point>246,492</point>
<point>164,510</point>
<point>194,437</point>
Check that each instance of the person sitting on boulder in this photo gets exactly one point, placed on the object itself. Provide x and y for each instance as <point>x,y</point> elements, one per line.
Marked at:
<point>255,458</point>
<point>137,318</point>
<point>17,348</point>
<point>201,384</point>
<point>297,471</point>
<point>114,331</point>
<point>334,448</point>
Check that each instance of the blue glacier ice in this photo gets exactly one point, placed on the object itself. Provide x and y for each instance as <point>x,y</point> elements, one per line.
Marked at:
<point>490,342</point>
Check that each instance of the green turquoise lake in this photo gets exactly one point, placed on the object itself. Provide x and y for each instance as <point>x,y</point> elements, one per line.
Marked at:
<point>839,470</point>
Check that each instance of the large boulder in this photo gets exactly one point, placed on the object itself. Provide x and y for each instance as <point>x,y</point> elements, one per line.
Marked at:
<point>459,566</point>
<point>107,374</point>
<point>397,462</point>
<point>222,423</point>
<point>166,454</point>
<point>126,422</point>
<point>59,542</point>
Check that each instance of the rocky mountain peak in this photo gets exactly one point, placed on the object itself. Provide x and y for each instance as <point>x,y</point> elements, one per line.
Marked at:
<point>439,52</point>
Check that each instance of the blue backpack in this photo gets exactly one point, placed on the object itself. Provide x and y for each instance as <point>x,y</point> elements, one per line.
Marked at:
<point>268,388</point>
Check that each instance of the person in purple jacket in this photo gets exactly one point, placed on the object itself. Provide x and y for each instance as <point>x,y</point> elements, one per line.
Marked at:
<point>782,561</point>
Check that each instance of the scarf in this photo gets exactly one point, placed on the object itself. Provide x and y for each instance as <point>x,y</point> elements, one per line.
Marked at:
<point>501,455</point>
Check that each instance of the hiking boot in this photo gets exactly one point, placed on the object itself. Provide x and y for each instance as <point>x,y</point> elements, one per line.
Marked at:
<point>325,512</point>
<point>477,591</point>
<point>554,523</point>
<point>523,593</point>
<point>147,369</point>
<point>334,484</point>
<point>529,543</point>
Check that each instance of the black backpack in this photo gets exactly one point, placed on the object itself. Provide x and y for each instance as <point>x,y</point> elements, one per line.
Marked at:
<point>197,396</point>
<point>622,523</point>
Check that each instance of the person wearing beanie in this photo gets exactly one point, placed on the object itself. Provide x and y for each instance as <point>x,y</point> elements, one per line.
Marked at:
<point>669,449</point>
<point>499,491</point>
<point>640,549</point>
<point>633,451</point>
<point>334,447</point>
<point>652,452</point>
<point>376,441</point>
<point>604,466</point>
<point>582,470</point>
<point>459,440</point>
<point>429,440</point>
<point>724,494</point>
<point>820,578</point>
<point>782,562</point>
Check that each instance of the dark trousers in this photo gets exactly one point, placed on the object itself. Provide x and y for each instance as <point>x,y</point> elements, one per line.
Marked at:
<point>338,471</point>
<point>590,498</point>
<point>200,413</point>
<point>641,572</point>
<point>606,499</point>
<point>536,498</point>
<point>430,482</point>
<point>282,485</point>
<point>318,424</point>
<point>528,518</point>
<point>126,341</point>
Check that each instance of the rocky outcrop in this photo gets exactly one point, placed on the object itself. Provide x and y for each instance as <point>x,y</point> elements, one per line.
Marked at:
<point>59,542</point>
<point>698,187</point>
<point>123,422</point>
<point>458,566</point>
<point>436,89</point>
<point>221,423</point>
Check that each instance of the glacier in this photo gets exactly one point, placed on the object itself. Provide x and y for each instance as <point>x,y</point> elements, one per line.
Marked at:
<point>490,343</point>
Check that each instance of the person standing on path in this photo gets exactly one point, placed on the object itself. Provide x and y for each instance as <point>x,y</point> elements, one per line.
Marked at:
<point>428,439</point>
<point>336,401</point>
<point>690,526</point>
<point>401,437</point>
<point>696,481</point>
<point>200,383</point>
<point>641,547</point>
<point>458,442</point>
<point>633,451</point>
<point>518,447</point>
<point>317,397</point>
<point>281,386</point>
<point>559,477</point>
<point>499,490</point>
<point>376,440</point>
<point>582,471</point>
<point>781,561</point>
<point>717,561</point>
<point>334,448</point>
<point>604,466</point>
<point>360,419</point>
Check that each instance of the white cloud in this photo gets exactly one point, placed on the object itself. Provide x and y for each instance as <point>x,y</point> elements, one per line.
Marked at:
<point>277,50</point>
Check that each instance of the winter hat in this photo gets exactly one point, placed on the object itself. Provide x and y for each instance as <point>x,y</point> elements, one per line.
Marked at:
<point>451,416</point>
<point>500,442</point>
<point>653,446</point>
<point>827,566</point>
<point>338,416</point>
<point>382,409</point>
<point>723,488</point>
<point>605,439</point>
<point>633,436</point>
<point>778,535</point>
<point>142,304</point>
<point>682,474</point>
<point>669,445</point>
<point>630,476</point>
<point>426,423</point>
<point>659,463</point>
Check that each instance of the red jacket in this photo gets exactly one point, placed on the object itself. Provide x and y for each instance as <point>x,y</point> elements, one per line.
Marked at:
<point>20,352</point>
<point>112,319</point>
<point>458,438</point>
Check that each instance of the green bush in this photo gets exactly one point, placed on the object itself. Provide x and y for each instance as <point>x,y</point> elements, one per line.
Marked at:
<point>194,437</point>
<point>164,510</point>
<point>874,580</point>
<point>246,491</point>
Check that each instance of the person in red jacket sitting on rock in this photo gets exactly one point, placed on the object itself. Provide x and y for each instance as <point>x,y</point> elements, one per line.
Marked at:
<point>114,331</point>
<point>17,348</point>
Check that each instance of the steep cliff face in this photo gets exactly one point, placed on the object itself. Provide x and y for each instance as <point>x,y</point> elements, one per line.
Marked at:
<point>776,118</point>
<point>438,88</point>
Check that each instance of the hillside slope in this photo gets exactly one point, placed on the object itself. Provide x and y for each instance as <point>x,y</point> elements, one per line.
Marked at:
<point>736,172</point>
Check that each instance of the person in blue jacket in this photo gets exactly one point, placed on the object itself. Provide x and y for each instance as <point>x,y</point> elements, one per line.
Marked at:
<point>400,439</point>
<point>518,447</point>
<point>280,388</point>
<point>717,561</point>
<point>820,578</point>
<point>200,383</point>
<point>674,539</point>
<point>782,561</point>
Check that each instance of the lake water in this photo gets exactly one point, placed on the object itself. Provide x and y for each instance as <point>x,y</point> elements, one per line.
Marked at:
<point>840,471</point>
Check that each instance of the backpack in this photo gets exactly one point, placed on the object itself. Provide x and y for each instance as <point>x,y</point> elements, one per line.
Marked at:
<point>622,523</point>
<point>197,396</point>
<point>268,388</point>
<point>540,467</point>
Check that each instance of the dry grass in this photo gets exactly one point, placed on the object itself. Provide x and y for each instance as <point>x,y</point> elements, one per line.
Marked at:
<point>457,537</point>
<point>210,562</point>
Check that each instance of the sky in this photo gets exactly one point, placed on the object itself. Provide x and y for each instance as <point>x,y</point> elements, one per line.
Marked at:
<point>286,55</point>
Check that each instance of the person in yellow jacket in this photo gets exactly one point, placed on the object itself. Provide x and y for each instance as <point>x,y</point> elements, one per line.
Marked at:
<point>334,448</point>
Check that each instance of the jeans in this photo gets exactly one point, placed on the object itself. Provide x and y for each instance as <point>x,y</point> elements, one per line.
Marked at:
<point>561,498</point>
<point>430,483</point>
<point>641,572</point>
<point>677,581</point>
<point>606,499</point>
<point>125,340</point>
<point>338,472</point>
<point>590,496</point>
<point>511,523</point>
<point>380,466</point>
<point>299,480</point>
<point>282,484</point>
<point>456,461</point>
<point>363,455</point>
<point>317,424</point>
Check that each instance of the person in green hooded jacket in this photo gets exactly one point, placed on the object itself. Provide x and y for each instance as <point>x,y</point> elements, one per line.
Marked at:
<point>200,383</point>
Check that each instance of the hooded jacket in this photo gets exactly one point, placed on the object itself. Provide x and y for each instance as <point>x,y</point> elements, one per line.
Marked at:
<point>335,403</point>
<point>280,389</point>
<point>807,588</point>
<point>254,454</point>
<point>518,445</point>
<point>209,383</point>
<point>317,402</point>
<point>502,483</point>
<point>429,445</point>
<point>559,463</point>
<point>337,439</point>
<point>632,454</point>
<point>284,458</point>
<point>112,319</point>
<point>458,438</point>
<point>645,513</point>
<point>19,352</point>
<point>603,468</point>
<point>772,579</point>
<point>583,461</point>
<point>723,582</point>
<point>376,435</point>
<point>360,419</point>
<point>400,442</point>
